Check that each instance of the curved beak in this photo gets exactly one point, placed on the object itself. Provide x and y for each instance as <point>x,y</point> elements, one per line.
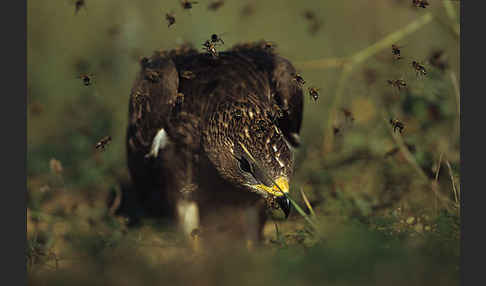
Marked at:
<point>285,205</point>
<point>281,185</point>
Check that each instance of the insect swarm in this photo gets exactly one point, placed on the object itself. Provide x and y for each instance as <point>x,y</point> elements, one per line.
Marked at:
<point>314,93</point>
<point>170,19</point>
<point>103,143</point>
<point>397,125</point>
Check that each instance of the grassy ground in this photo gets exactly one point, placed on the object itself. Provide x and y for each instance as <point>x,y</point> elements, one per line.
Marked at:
<point>386,204</point>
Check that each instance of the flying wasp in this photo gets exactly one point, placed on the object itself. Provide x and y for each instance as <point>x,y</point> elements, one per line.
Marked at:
<point>144,62</point>
<point>347,114</point>
<point>396,52</point>
<point>438,59</point>
<point>397,125</point>
<point>269,45</point>
<point>152,75</point>
<point>186,4</point>
<point>313,92</point>
<point>188,75</point>
<point>179,100</point>
<point>419,69</point>
<point>215,5</point>
<point>215,39</point>
<point>103,143</point>
<point>247,10</point>
<point>315,23</point>
<point>420,3</point>
<point>335,130</point>
<point>398,83</point>
<point>78,5</point>
<point>87,79</point>
<point>299,79</point>
<point>309,15</point>
<point>170,19</point>
<point>210,47</point>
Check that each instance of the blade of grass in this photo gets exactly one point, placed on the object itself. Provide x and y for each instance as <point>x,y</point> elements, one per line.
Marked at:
<point>436,185</point>
<point>454,190</point>
<point>405,152</point>
<point>413,163</point>
<point>307,202</point>
<point>455,84</point>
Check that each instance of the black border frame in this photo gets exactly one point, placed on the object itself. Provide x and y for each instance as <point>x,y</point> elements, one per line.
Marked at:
<point>15,143</point>
<point>472,199</point>
<point>13,212</point>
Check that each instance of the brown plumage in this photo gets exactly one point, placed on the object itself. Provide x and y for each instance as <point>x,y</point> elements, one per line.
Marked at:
<point>238,107</point>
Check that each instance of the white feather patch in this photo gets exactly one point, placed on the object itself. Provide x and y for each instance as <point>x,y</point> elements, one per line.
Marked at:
<point>160,141</point>
<point>188,214</point>
<point>279,162</point>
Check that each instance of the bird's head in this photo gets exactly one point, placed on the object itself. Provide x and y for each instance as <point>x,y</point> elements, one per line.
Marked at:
<point>247,149</point>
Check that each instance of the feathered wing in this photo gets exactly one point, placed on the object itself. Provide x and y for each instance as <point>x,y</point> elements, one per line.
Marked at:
<point>288,95</point>
<point>152,105</point>
<point>286,91</point>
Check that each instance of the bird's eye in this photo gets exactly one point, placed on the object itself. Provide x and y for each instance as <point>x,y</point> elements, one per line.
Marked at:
<point>245,165</point>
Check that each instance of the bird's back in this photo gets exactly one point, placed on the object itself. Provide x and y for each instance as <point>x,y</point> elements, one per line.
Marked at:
<point>179,91</point>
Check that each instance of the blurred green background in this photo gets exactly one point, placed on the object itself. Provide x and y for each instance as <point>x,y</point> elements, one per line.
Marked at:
<point>387,204</point>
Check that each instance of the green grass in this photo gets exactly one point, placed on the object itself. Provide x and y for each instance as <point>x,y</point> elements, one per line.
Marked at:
<point>379,220</point>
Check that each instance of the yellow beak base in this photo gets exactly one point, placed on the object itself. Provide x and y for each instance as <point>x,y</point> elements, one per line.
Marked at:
<point>282,185</point>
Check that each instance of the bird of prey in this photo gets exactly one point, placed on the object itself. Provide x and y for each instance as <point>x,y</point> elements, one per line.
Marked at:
<point>214,150</point>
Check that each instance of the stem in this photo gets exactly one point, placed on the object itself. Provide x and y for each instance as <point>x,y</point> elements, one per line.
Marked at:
<point>458,96</point>
<point>307,202</point>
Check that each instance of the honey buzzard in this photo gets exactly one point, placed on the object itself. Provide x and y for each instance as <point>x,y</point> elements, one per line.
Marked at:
<point>210,139</point>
